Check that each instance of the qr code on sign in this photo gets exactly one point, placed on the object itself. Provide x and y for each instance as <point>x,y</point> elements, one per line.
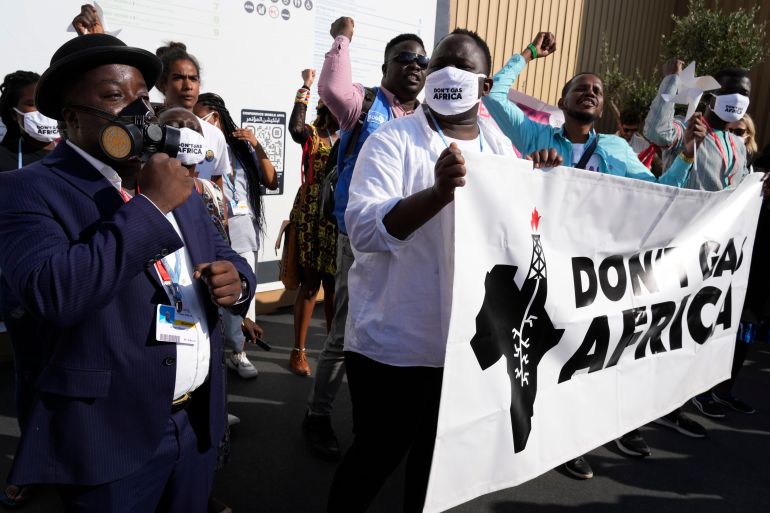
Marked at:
<point>270,129</point>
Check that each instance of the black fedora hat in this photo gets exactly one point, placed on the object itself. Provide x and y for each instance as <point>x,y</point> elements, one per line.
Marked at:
<point>85,53</point>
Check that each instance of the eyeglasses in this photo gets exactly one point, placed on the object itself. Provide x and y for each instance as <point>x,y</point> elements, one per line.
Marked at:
<point>410,57</point>
<point>740,132</point>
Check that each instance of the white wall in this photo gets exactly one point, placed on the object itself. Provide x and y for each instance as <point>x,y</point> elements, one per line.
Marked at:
<point>252,60</point>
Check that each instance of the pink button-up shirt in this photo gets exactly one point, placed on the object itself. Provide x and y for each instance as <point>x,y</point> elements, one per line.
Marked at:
<point>336,88</point>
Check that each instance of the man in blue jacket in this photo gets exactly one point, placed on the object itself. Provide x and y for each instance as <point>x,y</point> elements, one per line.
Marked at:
<point>577,144</point>
<point>582,102</point>
<point>106,246</point>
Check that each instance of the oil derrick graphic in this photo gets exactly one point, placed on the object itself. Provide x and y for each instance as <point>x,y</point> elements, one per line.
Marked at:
<point>513,323</point>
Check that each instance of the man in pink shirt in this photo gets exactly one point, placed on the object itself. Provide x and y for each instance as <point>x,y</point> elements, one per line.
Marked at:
<point>360,111</point>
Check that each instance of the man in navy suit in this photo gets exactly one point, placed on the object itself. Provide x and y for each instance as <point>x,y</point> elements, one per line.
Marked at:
<point>95,239</point>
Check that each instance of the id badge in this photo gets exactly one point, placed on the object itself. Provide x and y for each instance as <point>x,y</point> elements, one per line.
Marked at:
<point>175,327</point>
<point>242,208</point>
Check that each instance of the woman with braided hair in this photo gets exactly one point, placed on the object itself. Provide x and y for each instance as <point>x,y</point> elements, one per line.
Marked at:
<point>317,235</point>
<point>250,168</point>
<point>30,135</point>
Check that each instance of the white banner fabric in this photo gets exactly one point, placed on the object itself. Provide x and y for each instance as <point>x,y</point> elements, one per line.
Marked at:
<point>584,306</point>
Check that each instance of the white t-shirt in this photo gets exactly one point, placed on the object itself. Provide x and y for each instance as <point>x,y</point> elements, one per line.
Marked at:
<point>217,162</point>
<point>577,152</point>
<point>401,290</point>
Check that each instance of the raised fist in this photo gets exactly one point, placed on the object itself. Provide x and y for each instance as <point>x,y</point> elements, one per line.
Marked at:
<point>308,77</point>
<point>342,27</point>
<point>544,43</point>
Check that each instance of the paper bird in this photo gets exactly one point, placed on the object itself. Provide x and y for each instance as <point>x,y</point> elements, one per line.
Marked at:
<point>691,88</point>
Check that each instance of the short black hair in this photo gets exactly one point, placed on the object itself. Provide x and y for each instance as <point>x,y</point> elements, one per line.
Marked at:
<point>400,39</point>
<point>565,89</point>
<point>731,72</point>
<point>10,93</point>
<point>630,117</point>
<point>479,41</point>
<point>172,52</point>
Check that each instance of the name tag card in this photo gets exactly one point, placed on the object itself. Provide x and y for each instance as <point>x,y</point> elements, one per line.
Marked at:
<point>175,327</point>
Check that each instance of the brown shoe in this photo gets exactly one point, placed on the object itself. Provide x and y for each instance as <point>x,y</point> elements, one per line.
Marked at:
<point>298,362</point>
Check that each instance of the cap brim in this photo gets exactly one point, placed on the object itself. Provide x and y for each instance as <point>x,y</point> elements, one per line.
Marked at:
<point>48,94</point>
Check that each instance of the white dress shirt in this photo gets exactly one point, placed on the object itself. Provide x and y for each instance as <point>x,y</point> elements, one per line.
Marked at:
<point>401,290</point>
<point>192,361</point>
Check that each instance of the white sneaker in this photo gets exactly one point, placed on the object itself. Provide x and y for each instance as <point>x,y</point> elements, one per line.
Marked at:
<point>232,419</point>
<point>241,364</point>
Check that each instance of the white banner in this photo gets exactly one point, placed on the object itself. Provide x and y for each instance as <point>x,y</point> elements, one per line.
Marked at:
<point>584,306</point>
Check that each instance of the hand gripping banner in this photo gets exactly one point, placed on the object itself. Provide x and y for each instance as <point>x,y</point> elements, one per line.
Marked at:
<point>584,306</point>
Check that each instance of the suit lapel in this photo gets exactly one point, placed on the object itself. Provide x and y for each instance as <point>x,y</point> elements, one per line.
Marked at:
<point>70,166</point>
<point>66,163</point>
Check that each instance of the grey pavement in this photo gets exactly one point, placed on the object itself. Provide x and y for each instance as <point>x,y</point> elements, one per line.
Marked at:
<point>272,471</point>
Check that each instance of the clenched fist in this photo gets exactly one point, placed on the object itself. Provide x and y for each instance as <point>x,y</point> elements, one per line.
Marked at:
<point>450,173</point>
<point>165,182</point>
<point>343,27</point>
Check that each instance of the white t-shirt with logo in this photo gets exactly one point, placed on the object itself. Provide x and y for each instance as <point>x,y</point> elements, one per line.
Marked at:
<point>217,161</point>
<point>577,153</point>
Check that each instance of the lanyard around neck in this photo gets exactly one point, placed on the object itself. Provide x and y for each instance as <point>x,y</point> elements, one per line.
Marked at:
<point>169,278</point>
<point>443,138</point>
<point>21,164</point>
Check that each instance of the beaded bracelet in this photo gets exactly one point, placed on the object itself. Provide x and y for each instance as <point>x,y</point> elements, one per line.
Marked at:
<point>303,96</point>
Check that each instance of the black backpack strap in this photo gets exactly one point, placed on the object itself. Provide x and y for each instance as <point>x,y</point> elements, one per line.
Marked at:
<point>370,93</point>
<point>587,153</point>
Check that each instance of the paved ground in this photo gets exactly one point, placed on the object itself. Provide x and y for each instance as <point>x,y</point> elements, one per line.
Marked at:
<point>272,470</point>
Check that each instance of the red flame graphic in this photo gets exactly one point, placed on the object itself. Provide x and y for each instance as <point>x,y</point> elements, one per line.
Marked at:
<point>535,221</point>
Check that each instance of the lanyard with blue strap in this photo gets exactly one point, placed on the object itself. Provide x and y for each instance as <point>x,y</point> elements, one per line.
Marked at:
<point>21,164</point>
<point>170,280</point>
<point>443,138</point>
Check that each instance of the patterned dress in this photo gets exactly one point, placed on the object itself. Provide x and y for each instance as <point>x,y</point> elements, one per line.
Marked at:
<point>317,236</point>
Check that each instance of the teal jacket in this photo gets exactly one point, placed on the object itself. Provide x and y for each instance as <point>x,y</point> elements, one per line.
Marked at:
<point>616,157</point>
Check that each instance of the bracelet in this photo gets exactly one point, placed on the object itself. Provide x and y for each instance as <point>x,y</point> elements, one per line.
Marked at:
<point>533,50</point>
<point>303,96</point>
<point>687,159</point>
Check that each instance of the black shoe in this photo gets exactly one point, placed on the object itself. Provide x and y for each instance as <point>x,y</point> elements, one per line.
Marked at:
<point>734,403</point>
<point>679,422</point>
<point>320,435</point>
<point>708,407</point>
<point>579,468</point>
<point>633,444</point>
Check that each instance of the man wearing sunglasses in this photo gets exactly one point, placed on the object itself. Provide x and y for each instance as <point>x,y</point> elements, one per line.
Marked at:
<point>360,112</point>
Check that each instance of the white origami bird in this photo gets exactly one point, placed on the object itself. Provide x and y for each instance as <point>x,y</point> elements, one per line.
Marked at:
<point>691,88</point>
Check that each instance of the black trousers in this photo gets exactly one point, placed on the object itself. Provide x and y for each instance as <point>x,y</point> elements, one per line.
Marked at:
<point>395,413</point>
<point>725,388</point>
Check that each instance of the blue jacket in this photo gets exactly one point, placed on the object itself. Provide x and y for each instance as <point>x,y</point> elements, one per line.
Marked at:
<point>616,157</point>
<point>379,113</point>
<point>81,262</point>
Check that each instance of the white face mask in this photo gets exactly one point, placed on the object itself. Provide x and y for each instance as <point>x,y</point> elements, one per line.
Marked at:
<point>451,91</point>
<point>192,147</point>
<point>38,126</point>
<point>731,107</point>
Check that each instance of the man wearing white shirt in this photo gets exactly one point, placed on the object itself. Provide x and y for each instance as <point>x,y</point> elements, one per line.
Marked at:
<point>107,247</point>
<point>400,220</point>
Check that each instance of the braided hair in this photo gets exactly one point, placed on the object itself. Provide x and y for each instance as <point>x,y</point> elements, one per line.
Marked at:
<point>10,93</point>
<point>243,152</point>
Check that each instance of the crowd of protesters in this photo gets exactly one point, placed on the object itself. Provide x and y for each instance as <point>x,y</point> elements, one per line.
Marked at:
<point>106,239</point>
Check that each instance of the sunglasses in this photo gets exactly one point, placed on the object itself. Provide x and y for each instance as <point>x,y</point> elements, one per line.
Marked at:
<point>740,132</point>
<point>410,57</point>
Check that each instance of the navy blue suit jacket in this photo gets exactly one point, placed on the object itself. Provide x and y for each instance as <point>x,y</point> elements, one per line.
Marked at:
<point>82,261</point>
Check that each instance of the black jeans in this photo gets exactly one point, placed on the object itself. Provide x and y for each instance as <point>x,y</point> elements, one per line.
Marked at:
<point>395,413</point>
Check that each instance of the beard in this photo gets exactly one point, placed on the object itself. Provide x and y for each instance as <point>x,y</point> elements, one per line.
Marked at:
<point>583,117</point>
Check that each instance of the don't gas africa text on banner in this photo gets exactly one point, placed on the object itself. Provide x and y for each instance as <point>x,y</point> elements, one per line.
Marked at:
<point>584,306</point>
